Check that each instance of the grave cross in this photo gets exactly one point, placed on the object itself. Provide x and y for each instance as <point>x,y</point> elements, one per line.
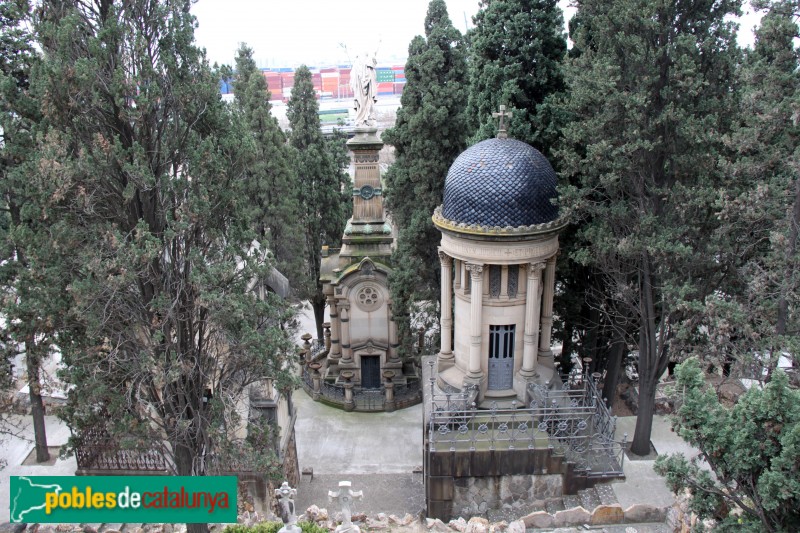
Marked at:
<point>285,496</point>
<point>501,129</point>
<point>346,496</point>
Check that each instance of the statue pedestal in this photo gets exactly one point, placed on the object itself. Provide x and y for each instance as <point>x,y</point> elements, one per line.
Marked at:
<point>352,528</point>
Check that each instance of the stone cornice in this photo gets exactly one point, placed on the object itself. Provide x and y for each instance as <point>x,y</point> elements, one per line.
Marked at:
<point>496,231</point>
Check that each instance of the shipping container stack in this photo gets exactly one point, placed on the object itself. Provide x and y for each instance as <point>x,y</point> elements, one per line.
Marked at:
<point>385,80</point>
<point>345,91</point>
<point>329,82</point>
<point>399,79</point>
<point>274,84</point>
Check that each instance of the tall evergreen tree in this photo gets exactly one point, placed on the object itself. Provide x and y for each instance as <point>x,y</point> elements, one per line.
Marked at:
<point>33,287</point>
<point>651,97</point>
<point>272,182</point>
<point>516,53</point>
<point>429,134</point>
<point>757,313</point>
<point>149,192</point>
<point>323,184</point>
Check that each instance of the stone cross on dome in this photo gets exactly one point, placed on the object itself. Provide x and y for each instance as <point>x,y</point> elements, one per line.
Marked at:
<point>501,129</point>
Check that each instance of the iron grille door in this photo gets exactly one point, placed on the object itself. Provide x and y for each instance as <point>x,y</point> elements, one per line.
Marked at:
<point>501,357</point>
<point>370,372</point>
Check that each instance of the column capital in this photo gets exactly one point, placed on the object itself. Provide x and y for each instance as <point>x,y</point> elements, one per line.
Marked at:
<point>445,259</point>
<point>552,259</point>
<point>535,269</point>
<point>476,269</point>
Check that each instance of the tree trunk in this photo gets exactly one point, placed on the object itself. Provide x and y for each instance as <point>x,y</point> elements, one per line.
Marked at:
<point>613,367</point>
<point>644,418</point>
<point>648,361</point>
<point>184,459</point>
<point>783,302</point>
<point>37,405</point>
<point>318,304</point>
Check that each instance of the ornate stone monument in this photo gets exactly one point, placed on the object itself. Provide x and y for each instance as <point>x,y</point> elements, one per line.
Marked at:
<point>285,496</point>
<point>355,277</point>
<point>345,495</point>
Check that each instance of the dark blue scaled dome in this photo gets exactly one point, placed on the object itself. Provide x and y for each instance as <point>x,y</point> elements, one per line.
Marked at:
<point>500,183</point>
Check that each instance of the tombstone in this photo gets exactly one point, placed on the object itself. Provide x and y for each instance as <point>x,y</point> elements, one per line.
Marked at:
<point>346,496</point>
<point>285,496</point>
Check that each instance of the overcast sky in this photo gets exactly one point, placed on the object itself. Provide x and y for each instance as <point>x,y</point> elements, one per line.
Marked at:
<point>292,32</point>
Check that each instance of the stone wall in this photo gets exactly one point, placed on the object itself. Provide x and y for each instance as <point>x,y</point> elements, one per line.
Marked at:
<point>476,495</point>
<point>479,480</point>
<point>291,466</point>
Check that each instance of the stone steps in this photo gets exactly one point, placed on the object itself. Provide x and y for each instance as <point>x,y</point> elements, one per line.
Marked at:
<point>589,499</point>
<point>606,494</point>
<point>597,506</point>
<point>553,506</point>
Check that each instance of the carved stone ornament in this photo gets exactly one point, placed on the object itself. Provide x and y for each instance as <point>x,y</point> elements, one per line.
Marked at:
<point>535,270</point>
<point>476,270</point>
<point>366,158</point>
<point>369,297</point>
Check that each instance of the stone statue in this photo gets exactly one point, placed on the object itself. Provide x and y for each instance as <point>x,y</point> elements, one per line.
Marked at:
<point>364,82</point>
<point>285,496</point>
<point>346,496</point>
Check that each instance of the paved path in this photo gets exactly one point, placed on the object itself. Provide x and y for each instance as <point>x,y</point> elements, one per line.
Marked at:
<point>642,484</point>
<point>15,450</point>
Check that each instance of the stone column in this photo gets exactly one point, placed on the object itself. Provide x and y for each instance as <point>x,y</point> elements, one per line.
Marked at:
<point>547,311</point>
<point>475,314</point>
<point>347,351</point>
<point>504,282</point>
<point>532,306</point>
<point>457,269</point>
<point>335,352</point>
<point>393,360</point>
<point>446,262</point>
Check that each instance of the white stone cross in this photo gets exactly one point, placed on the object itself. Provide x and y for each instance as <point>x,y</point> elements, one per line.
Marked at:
<point>285,496</point>
<point>346,496</point>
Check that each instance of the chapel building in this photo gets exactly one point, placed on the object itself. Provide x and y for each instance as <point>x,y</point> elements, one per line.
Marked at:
<point>498,258</point>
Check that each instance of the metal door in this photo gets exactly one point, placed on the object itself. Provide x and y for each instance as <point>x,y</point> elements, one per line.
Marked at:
<point>370,372</point>
<point>501,357</point>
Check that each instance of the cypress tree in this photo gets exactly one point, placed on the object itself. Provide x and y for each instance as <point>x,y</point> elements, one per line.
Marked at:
<point>429,134</point>
<point>754,320</point>
<point>516,53</point>
<point>147,170</point>
<point>33,300</point>
<point>272,182</point>
<point>323,184</point>
<point>651,98</point>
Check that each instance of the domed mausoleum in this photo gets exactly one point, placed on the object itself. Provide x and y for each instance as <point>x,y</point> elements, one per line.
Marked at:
<point>498,252</point>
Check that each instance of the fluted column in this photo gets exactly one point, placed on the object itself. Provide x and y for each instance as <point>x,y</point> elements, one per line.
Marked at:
<point>476,320</point>
<point>532,306</point>
<point>547,308</point>
<point>446,262</point>
<point>335,352</point>
<point>347,351</point>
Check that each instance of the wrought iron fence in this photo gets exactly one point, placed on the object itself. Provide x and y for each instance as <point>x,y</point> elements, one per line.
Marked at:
<point>569,419</point>
<point>97,450</point>
<point>317,348</point>
<point>405,395</point>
